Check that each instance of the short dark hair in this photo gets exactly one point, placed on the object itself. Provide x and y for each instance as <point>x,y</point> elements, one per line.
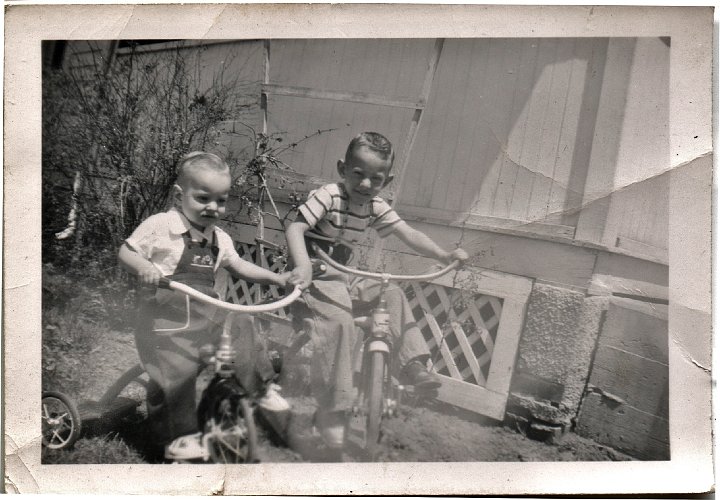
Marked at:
<point>373,141</point>
<point>196,160</point>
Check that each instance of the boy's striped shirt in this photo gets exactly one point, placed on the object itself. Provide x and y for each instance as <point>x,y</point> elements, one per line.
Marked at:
<point>332,216</point>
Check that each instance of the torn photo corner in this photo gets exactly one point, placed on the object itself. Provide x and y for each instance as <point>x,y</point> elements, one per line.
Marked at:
<point>565,151</point>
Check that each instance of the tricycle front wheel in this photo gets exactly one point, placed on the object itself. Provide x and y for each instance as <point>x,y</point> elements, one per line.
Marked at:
<point>232,432</point>
<point>374,402</point>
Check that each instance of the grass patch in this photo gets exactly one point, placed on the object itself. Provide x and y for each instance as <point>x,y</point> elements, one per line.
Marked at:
<point>77,312</point>
<point>96,450</point>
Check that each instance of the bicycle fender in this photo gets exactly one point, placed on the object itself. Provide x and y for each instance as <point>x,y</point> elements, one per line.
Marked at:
<point>378,346</point>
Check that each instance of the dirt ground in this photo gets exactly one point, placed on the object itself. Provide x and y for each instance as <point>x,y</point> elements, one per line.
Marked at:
<point>422,430</point>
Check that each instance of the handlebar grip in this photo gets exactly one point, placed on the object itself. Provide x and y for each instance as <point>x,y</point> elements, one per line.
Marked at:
<point>164,282</point>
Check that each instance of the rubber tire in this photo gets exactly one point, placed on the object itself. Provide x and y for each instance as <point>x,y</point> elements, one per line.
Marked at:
<point>125,379</point>
<point>75,422</point>
<point>242,411</point>
<point>252,448</point>
<point>374,401</point>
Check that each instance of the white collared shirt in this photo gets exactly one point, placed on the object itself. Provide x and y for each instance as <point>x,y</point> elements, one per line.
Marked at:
<point>159,239</point>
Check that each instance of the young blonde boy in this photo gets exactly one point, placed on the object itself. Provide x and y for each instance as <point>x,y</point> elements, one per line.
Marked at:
<point>185,245</point>
<point>334,218</point>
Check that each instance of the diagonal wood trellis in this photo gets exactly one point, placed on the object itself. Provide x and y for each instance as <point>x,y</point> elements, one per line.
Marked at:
<point>471,321</point>
<point>460,329</point>
<point>239,292</point>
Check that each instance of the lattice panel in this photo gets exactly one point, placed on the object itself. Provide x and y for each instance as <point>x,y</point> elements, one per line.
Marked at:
<point>460,329</point>
<point>240,292</point>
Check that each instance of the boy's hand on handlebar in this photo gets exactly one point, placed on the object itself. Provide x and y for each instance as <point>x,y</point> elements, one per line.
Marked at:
<point>301,276</point>
<point>288,280</point>
<point>284,279</point>
<point>149,275</point>
<point>458,254</point>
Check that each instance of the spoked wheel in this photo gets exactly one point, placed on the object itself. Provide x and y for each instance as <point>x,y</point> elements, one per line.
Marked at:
<point>231,433</point>
<point>374,400</point>
<point>227,420</point>
<point>60,421</point>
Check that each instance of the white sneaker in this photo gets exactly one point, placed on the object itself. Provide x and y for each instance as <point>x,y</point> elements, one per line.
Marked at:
<point>272,401</point>
<point>331,426</point>
<point>188,447</point>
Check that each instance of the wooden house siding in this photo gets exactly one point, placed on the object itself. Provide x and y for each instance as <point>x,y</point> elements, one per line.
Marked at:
<point>502,126</point>
<point>625,200</point>
<point>298,117</point>
<point>385,67</point>
<point>639,215</point>
<point>537,135</point>
<point>391,68</point>
<point>639,218</point>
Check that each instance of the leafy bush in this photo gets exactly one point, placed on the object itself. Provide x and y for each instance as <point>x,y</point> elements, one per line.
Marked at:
<point>117,127</point>
<point>114,128</point>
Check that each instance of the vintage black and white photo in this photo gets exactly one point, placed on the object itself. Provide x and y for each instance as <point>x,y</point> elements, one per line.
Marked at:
<point>423,251</point>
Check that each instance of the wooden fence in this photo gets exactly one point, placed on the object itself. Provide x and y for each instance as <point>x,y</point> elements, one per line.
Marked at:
<point>471,321</point>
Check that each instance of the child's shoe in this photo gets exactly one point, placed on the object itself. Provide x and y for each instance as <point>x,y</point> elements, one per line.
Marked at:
<point>188,447</point>
<point>415,373</point>
<point>272,401</point>
<point>331,426</point>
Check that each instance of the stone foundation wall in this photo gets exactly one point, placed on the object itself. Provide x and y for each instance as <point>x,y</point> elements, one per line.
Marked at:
<point>555,355</point>
<point>596,364</point>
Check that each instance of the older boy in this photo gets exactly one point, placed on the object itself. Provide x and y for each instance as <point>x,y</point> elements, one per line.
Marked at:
<point>334,217</point>
<point>185,245</point>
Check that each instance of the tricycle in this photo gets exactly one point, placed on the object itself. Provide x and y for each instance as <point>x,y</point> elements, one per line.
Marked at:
<point>225,411</point>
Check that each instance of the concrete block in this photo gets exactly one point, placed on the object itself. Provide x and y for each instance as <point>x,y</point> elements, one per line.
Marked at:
<point>640,381</point>
<point>535,429</point>
<point>550,433</point>
<point>531,408</point>
<point>626,403</point>
<point>528,384</point>
<point>555,352</point>
<point>617,424</point>
<point>637,327</point>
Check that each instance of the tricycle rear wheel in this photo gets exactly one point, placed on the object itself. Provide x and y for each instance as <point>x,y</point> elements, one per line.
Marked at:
<point>131,376</point>
<point>61,423</point>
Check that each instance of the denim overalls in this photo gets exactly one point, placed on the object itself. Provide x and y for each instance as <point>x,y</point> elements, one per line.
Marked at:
<point>171,332</point>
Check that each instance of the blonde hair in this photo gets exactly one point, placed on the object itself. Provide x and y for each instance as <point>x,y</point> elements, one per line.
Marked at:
<point>197,160</point>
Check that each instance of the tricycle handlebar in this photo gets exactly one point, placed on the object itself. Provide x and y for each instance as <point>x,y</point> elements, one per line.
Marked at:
<point>385,276</point>
<point>228,306</point>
